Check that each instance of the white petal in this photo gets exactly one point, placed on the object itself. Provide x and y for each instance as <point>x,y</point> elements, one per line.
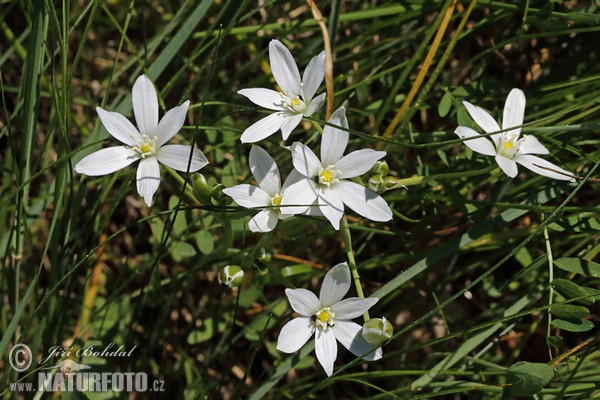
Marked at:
<point>358,162</point>
<point>315,104</point>
<point>334,140</point>
<point>481,145</point>
<point>289,124</point>
<point>303,301</point>
<point>531,145</point>
<point>119,127</point>
<point>304,160</point>
<point>263,128</point>
<point>298,197</point>
<point>171,123</point>
<point>148,178</point>
<point>177,157</point>
<point>349,335</point>
<point>293,177</point>
<point>353,307</point>
<point>514,111</point>
<point>265,171</point>
<point>543,167</point>
<point>508,166</point>
<point>482,118</point>
<point>145,105</point>
<point>284,68</point>
<point>331,205</point>
<point>106,161</point>
<point>248,196</point>
<point>326,349</point>
<point>335,285</point>
<point>313,76</point>
<point>266,98</point>
<point>264,221</point>
<point>294,334</point>
<point>364,201</point>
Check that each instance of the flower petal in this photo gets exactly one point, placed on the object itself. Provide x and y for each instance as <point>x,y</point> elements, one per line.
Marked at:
<point>531,145</point>
<point>171,123</point>
<point>248,196</point>
<point>119,127</point>
<point>294,334</point>
<point>106,161</point>
<point>480,145</point>
<point>315,104</point>
<point>326,349</point>
<point>298,197</point>
<point>284,68</point>
<point>263,128</point>
<point>264,221</point>
<point>304,160</point>
<point>482,118</point>
<point>335,285</point>
<point>177,157</point>
<point>289,124</point>
<point>334,140</point>
<point>508,166</point>
<point>348,333</point>
<point>543,167</point>
<point>265,171</point>
<point>358,162</point>
<point>353,307</point>
<point>303,301</point>
<point>514,111</point>
<point>267,98</point>
<point>145,105</point>
<point>331,205</point>
<point>148,178</point>
<point>364,201</point>
<point>313,76</point>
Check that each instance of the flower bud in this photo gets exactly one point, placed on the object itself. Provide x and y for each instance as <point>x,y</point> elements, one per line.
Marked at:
<point>393,183</point>
<point>217,194</point>
<point>201,189</point>
<point>265,256</point>
<point>232,276</point>
<point>377,331</point>
<point>377,183</point>
<point>380,168</point>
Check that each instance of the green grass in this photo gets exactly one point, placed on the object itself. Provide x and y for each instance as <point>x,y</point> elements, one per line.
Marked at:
<point>477,272</point>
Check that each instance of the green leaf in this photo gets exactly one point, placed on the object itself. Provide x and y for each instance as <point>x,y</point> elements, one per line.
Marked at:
<point>569,311</point>
<point>573,325</point>
<point>296,269</point>
<point>571,290</point>
<point>527,379</point>
<point>206,331</point>
<point>579,266</point>
<point>576,224</point>
<point>555,341</point>
<point>445,104</point>
<point>181,250</point>
<point>205,242</point>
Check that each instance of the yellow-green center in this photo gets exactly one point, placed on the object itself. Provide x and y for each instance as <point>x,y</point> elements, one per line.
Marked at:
<point>324,318</point>
<point>328,175</point>
<point>276,200</point>
<point>147,146</point>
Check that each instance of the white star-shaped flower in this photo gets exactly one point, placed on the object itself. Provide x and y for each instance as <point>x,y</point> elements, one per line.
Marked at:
<point>326,183</point>
<point>267,196</point>
<point>295,99</point>
<point>146,144</point>
<point>328,318</point>
<point>506,146</point>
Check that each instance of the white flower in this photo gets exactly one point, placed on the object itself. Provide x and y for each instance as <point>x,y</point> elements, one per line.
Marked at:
<point>328,317</point>
<point>267,195</point>
<point>145,144</point>
<point>295,99</point>
<point>325,182</point>
<point>506,146</point>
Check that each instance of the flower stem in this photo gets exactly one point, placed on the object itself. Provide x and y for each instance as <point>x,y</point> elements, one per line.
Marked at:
<point>550,288</point>
<point>417,180</point>
<point>345,232</point>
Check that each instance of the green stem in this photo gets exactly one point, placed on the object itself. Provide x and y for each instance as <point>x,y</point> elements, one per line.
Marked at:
<point>550,288</point>
<point>345,232</point>
<point>417,180</point>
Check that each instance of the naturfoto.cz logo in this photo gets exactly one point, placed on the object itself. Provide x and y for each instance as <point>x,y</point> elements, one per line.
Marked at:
<point>70,376</point>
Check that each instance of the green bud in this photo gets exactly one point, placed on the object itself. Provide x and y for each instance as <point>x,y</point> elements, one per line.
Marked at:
<point>232,276</point>
<point>393,183</point>
<point>217,193</point>
<point>201,189</point>
<point>380,168</point>
<point>377,331</point>
<point>265,256</point>
<point>377,183</point>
